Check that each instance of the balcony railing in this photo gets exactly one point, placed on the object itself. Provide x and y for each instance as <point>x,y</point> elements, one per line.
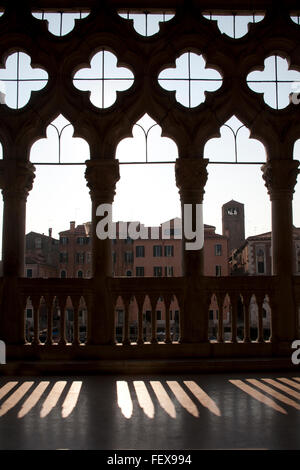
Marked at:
<point>251,301</point>
<point>54,298</point>
<point>164,290</point>
<point>61,309</point>
<point>238,315</point>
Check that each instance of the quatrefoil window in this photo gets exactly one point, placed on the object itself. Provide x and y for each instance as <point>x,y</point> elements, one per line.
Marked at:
<point>276,82</point>
<point>60,23</point>
<point>146,23</point>
<point>18,79</point>
<point>235,25</point>
<point>190,79</point>
<point>296,19</point>
<point>103,79</point>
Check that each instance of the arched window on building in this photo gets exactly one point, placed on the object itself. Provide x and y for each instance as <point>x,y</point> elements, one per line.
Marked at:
<point>260,261</point>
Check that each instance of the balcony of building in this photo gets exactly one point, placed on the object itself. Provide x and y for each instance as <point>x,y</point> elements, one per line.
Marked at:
<point>75,328</point>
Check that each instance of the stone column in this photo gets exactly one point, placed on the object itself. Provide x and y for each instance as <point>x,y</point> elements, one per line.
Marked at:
<point>191,176</point>
<point>101,176</point>
<point>280,178</point>
<point>16,179</point>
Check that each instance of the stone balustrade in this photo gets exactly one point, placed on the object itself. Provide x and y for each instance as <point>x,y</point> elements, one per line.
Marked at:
<point>56,303</point>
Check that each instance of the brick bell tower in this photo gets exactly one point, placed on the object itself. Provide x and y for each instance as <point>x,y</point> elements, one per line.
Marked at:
<point>233,224</point>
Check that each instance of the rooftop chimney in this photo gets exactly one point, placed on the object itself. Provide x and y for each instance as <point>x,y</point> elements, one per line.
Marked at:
<point>50,232</point>
<point>72,226</point>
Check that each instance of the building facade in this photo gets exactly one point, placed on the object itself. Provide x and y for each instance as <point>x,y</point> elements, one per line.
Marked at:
<point>143,257</point>
<point>70,257</point>
<point>254,256</point>
<point>75,257</point>
<point>41,256</point>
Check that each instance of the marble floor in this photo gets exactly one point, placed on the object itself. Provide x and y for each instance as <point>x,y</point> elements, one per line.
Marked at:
<point>216,411</point>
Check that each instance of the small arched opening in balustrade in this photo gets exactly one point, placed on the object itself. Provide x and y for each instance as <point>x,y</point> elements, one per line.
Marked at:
<point>52,320</point>
<point>126,314</point>
<point>76,320</point>
<point>260,318</point>
<point>213,318</point>
<point>296,204</point>
<point>147,319</point>
<point>41,319</point>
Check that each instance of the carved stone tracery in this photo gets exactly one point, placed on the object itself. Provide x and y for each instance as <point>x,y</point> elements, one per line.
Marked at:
<point>146,57</point>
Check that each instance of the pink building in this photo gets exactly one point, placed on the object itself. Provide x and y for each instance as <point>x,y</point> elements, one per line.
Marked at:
<point>158,253</point>
<point>75,251</point>
<point>162,257</point>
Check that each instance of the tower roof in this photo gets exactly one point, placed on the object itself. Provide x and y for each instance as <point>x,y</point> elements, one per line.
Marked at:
<point>233,202</point>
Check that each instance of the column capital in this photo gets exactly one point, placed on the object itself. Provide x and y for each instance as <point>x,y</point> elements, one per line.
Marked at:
<point>16,178</point>
<point>191,177</point>
<point>102,176</point>
<point>280,177</point>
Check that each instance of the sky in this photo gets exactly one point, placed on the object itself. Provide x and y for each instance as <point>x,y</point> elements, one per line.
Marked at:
<point>147,193</point>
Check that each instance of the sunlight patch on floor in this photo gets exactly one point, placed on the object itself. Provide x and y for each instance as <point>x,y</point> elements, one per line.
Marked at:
<point>15,398</point>
<point>33,399</point>
<point>71,399</point>
<point>163,398</point>
<point>52,398</point>
<point>144,398</point>
<point>202,397</point>
<point>183,398</point>
<point>124,399</point>
<point>258,395</point>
